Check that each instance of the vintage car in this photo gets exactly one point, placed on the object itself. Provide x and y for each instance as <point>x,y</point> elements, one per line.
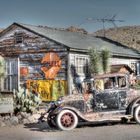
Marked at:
<point>106,97</point>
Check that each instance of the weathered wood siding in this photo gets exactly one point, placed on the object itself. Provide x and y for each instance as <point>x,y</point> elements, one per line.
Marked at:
<point>31,53</point>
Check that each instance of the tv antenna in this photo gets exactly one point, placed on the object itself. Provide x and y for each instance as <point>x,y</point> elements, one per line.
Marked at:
<point>103,20</point>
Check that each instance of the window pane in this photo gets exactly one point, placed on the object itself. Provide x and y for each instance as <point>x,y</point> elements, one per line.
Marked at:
<point>82,65</point>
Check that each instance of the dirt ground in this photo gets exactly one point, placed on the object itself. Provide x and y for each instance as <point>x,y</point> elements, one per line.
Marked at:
<point>96,132</point>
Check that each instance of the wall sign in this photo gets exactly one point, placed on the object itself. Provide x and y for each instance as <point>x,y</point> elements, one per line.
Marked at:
<point>6,103</point>
<point>52,65</point>
<point>49,90</point>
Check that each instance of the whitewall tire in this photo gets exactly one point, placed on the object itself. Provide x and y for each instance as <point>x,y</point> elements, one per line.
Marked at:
<point>66,120</point>
<point>137,114</point>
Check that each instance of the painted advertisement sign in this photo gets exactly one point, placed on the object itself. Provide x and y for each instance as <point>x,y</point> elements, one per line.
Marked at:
<point>49,66</point>
<point>53,65</point>
<point>49,90</point>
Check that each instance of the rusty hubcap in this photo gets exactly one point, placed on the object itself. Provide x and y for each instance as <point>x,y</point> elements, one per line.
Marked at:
<point>67,120</point>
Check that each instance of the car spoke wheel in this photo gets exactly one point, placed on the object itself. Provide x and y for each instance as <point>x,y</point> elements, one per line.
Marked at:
<point>137,114</point>
<point>67,120</point>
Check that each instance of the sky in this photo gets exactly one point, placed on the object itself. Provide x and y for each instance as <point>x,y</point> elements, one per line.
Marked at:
<point>65,13</point>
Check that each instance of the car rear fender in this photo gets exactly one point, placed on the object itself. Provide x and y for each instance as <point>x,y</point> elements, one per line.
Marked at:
<point>133,105</point>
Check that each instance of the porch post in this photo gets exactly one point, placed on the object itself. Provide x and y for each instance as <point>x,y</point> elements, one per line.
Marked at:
<point>68,74</point>
<point>18,82</point>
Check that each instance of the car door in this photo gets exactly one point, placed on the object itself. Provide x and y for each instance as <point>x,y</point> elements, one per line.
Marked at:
<point>113,97</point>
<point>122,98</point>
<point>122,89</point>
<point>106,100</point>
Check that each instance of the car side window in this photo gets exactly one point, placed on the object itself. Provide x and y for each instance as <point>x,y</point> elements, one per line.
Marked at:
<point>121,82</point>
<point>103,84</point>
<point>99,84</point>
<point>108,84</point>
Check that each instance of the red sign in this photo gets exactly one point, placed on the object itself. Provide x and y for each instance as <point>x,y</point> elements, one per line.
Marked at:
<point>24,71</point>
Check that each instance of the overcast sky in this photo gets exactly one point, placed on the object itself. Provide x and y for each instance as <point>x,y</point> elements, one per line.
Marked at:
<point>64,13</point>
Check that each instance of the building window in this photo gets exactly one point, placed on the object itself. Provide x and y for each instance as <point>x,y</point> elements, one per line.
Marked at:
<point>135,66</point>
<point>18,37</point>
<point>81,65</point>
<point>11,80</point>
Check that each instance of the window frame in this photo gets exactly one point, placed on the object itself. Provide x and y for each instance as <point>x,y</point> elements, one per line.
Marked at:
<point>82,64</point>
<point>18,37</point>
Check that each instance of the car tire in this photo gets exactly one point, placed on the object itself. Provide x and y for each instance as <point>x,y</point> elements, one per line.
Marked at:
<point>66,120</point>
<point>137,114</point>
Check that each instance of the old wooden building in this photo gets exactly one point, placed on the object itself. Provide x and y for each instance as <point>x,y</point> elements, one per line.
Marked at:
<point>50,61</point>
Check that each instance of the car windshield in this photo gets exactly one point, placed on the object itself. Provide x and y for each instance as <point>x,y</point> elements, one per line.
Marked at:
<point>110,82</point>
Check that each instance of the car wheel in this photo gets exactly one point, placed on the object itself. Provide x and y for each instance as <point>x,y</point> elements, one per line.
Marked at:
<point>66,120</point>
<point>137,114</point>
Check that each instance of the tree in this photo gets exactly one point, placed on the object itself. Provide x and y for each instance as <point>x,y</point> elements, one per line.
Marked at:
<point>95,62</point>
<point>99,62</point>
<point>105,55</point>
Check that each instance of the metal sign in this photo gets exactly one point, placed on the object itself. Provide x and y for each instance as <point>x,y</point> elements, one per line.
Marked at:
<point>6,103</point>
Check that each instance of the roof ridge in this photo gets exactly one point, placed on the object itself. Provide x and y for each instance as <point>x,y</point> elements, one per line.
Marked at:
<point>52,28</point>
<point>19,23</point>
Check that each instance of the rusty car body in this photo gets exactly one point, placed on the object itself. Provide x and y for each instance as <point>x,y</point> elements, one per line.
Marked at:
<point>99,103</point>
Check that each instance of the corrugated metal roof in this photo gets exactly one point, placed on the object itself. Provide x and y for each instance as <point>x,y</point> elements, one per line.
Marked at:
<point>80,41</point>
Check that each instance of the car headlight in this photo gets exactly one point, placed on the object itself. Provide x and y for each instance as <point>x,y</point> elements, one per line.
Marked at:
<point>58,102</point>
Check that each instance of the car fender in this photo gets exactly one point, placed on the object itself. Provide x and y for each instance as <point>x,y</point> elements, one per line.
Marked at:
<point>75,110</point>
<point>133,105</point>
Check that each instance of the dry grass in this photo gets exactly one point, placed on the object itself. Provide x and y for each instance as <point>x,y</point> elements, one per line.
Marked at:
<point>127,35</point>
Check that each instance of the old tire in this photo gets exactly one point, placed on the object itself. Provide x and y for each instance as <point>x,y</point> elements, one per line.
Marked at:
<point>66,120</point>
<point>137,114</point>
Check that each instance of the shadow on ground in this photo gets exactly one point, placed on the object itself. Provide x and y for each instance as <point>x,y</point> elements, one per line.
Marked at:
<point>40,127</point>
<point>43,127</point>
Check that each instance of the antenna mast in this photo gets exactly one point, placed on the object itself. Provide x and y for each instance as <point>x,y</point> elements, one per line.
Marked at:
<point>103,20</point>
